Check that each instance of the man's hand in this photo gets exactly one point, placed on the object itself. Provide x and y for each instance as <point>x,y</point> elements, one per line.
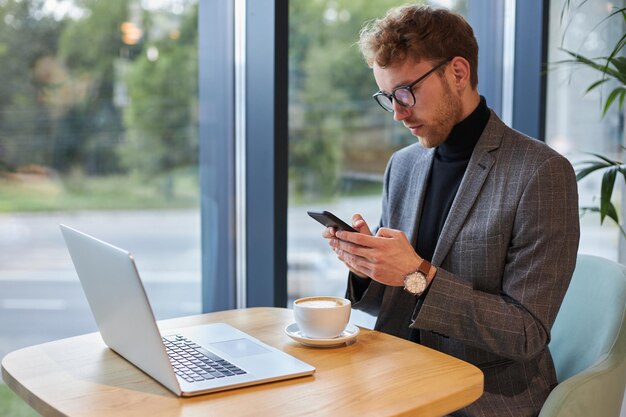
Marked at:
<point>386,257</point>
<point>361,226</point>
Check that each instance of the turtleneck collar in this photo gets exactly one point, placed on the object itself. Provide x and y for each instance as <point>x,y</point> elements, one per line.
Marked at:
<point>465,134</point>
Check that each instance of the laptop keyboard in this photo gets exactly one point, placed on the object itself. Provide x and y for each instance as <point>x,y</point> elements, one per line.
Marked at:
<point>193,363</point>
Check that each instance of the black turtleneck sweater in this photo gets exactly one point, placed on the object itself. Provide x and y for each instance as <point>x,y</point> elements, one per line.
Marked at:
<point>449,165</point>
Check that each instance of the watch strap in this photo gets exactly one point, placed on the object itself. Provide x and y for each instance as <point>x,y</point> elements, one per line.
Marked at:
<point>424,267</point>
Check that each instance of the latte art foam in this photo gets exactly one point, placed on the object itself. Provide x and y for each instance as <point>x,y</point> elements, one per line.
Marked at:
<point>320,303</point>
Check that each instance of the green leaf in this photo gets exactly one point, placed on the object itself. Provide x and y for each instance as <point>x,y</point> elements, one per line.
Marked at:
<point>612,215</point>
<point>620,63</point>
<point>605,159</point>
<point>582,173</point>
<point>604,68</point>
<point>580,58</point>
<point>616,49</point>
<point>606,191</point>
<point>583,60</point>
<point>606,164</point>
<point>614,94</point>
<point>594,165</point>
<point>594,85</point>
<point>564,9</point>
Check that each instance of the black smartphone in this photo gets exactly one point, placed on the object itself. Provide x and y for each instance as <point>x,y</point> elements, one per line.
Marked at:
<point>328,219</point>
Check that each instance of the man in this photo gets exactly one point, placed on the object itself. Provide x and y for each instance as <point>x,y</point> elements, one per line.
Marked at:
<point>479,230</point>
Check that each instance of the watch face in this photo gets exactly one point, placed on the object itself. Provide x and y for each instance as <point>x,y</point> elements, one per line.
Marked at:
<point>415,283</point>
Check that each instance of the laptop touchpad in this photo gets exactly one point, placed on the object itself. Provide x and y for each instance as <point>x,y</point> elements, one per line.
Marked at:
<point>240,347</point>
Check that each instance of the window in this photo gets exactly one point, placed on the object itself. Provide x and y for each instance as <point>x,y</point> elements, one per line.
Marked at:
<point>339,139</point>
<point>574,124</point>
<point>99,122</point>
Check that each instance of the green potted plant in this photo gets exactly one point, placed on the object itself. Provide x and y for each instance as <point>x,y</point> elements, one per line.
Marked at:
<point>610,67</point>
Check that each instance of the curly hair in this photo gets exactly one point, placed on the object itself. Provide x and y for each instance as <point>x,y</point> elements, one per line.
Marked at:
<point>419,33</point>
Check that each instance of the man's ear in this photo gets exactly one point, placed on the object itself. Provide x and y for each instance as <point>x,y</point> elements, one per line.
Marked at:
<point>461,72</point>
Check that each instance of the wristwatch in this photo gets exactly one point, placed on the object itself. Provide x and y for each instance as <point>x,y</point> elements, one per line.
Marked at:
<point>415,282</point>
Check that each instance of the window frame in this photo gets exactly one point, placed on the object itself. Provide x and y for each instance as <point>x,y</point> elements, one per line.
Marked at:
<point>244,230</point>
<point>216,153</point>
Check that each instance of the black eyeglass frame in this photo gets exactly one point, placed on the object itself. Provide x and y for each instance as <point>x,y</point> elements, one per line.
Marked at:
<point>409,87</point>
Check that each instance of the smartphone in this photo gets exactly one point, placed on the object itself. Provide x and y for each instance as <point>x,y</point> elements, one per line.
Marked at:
<point>328,219</point>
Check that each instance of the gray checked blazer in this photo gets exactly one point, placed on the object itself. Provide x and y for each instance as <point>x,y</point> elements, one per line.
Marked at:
<point>505,256</point>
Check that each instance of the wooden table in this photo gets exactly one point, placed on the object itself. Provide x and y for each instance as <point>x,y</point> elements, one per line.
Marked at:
<point>379,375</point>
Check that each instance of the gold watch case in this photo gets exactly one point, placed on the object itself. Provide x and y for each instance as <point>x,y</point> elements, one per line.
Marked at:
<point>415,283</point>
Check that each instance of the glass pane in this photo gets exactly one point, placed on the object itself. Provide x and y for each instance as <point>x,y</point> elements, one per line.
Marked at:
<point>98,114</point>
<point>339,139</point>
<point>574,122</point>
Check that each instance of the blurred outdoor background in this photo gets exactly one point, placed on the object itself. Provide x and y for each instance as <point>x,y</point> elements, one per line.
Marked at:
<point>99,130</point>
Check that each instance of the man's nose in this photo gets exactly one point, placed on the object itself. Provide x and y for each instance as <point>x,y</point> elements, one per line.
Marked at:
<point>400,112</point>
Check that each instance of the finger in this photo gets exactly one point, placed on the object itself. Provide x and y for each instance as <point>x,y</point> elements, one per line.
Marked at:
<point>389,233</point>
<point>361,239</point>
<point>359,223</point>
<point>355,263</point>
<point>386,232</point>
<point>329,232</point>
<point>349,247</point>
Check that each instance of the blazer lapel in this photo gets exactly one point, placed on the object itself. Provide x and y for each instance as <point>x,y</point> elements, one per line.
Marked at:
<point>416,187</point>
<point>477,171</point>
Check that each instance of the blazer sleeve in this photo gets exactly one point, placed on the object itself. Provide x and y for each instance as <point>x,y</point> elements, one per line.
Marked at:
<point>540,259</point>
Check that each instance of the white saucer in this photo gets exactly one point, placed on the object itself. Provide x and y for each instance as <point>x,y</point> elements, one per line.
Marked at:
<point>346,337</point>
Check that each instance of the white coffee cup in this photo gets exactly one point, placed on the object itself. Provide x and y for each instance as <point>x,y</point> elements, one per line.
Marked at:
<point>322,317</point>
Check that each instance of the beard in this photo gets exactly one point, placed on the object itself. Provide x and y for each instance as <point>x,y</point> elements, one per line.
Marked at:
<point>447,114</point>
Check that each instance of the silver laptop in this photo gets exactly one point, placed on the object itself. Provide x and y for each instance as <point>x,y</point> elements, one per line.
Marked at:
<point>195,360</point>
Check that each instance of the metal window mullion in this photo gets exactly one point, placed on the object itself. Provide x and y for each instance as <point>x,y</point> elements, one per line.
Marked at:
<point>240,154</point>
<point>508,58</point>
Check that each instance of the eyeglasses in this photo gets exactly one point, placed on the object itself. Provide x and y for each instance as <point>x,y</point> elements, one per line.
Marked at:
<point>404,93</point>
